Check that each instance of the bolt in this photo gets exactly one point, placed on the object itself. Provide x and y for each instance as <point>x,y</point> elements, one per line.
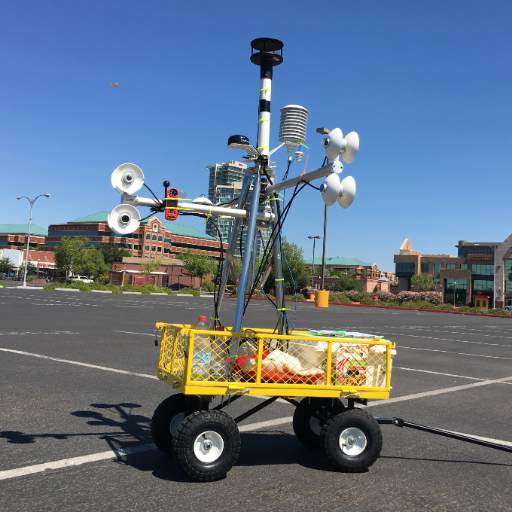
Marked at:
<point>207,444</point>
<point>351,441</point>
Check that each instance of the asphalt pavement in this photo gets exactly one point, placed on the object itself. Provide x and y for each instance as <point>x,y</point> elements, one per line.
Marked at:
<point>79,387</point>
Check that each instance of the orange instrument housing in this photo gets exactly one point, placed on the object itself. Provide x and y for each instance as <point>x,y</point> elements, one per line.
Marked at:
<point>170,204</point>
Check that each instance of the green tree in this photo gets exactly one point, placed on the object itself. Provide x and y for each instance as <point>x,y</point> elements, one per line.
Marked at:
<point>112,253</point>
<point>5,265</point>
<point>31,269</point>
<point>198,265</point>
<point>295,260</point>
<point>33,247</point>
<point>346,282</point>
<point>424,281</point>
<point>69,255</point>
<point>364,273</point>
<point>92,263</point>
<point>150,266</point>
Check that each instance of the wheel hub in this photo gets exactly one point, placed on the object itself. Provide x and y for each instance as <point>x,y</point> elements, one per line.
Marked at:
<point>208,446</point>
<point>352,441</point>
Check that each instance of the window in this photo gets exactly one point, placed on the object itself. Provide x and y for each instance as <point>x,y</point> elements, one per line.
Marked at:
<point>464,266</point>
<point>153,237</point>
<point>159,238</point>
<point>405,269</point>
<point>148,237</point>
<point>137,247</point>
<point>508,275</point>
<point>167,251</point>
<point>424,268</point>
<point>155,226</point>
<point>460,284</point>
<point>167,240</point>
<point>153,248</point>
<point>483,270</point>
<point>451,266</point>
<point>147,247</point>
<point>437,268</point>
<point>481,284</point>
<point>159,249</point>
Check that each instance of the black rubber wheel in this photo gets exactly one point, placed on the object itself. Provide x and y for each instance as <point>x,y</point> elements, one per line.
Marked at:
<point>307,428</point>
<point>167,418</point>
<point>206,445</point>
<point>352,440</point>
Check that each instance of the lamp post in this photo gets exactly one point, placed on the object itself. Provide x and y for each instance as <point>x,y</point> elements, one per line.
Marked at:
<point>454,291</point>
<point>314,238</point>
<point>31,201</point>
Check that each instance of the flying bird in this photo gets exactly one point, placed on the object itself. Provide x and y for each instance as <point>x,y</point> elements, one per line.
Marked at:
<point>114,85</point>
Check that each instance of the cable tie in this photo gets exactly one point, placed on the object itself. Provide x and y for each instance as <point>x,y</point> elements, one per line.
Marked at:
<point>215,318</point>
<point>275,199</point>
<point>283,309</point>
<point>262,147</point>
<point>177,199</point>
<point>208,216</point>
<point>279,279</point>
<point>263,120</point>
<point>266,89</point>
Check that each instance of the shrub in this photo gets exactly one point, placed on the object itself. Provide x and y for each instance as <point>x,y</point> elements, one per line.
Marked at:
<point>418,304</point>
<point>2,285</point>
<point>386,296</point>
<point>83,287</point>
<point>497,311</point>
<point>464,309</point>
<point>300,296</point>
<point>432,297</point>
<point>208,286</point>
<point>446,307</point>
<point>368,301</point>
<point>189,291</point>
<point>340,298</point>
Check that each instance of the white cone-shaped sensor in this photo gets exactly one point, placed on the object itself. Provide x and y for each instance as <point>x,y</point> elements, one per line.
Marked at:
<point>124,219</point>
<point>127,179</point>
<point>330,189</point>
<point>348,186</point>
<point>350,151</point>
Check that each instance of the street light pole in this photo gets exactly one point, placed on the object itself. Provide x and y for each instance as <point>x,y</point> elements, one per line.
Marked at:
<point>31,201</point>
<point>313,273</point>
<point>323,250</point>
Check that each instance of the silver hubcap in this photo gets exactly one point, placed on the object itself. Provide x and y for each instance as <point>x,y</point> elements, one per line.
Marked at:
<point>353,441</point>
<point>208,446</point>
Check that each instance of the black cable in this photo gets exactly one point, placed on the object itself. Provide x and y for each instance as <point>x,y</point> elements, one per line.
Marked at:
<point>159,200</point>
<point>266,255</point>
<point>312,186</point>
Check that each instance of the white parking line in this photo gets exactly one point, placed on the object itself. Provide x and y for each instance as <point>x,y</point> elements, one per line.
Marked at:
<point>140,333</point>
<point>87,365</point>
<point>456,353</point>
<point>435,373</point>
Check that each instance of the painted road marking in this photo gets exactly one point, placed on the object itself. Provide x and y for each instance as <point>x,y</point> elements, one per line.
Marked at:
<point>139,333</point>
<point>435,373</point>
<point>456,353</point>
<point>116,454</point>
<point>452,340</point>
<point>87,365</point>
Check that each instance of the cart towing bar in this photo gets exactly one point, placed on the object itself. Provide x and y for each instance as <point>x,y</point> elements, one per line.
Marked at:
<point>399,422</point>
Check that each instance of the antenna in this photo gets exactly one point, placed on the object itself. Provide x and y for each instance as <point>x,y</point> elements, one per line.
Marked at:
<point>124,219</point>
<point>127,178</point>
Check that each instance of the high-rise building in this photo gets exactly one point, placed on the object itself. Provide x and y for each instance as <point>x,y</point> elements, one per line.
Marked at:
<point>224,185</point>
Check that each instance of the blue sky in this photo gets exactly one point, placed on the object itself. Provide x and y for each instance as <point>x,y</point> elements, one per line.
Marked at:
<point>427,85</point>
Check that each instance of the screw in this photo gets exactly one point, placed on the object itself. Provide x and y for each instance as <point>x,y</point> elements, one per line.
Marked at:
<point>351,441</point>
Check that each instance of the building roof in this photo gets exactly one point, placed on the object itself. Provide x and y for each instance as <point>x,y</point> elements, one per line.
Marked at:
<point>22,229</point>
<point>341,262</point>
<point>170,227</point>
<point>180,230</point>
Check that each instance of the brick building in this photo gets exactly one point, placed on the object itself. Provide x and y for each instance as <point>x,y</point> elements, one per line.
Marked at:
<point>153,239</point>
<point>13,236</point>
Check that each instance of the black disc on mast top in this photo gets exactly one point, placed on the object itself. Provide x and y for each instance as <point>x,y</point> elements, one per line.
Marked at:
<point>267,48</point>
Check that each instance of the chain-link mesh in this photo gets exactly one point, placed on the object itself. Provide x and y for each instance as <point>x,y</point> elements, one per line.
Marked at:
<point>261,357</point>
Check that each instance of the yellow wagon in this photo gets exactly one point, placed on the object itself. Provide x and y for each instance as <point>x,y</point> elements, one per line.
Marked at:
<point>205,442</point>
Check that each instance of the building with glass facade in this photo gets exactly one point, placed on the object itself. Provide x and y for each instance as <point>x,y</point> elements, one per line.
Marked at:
<point>480,275</point>
<point>224,185</point>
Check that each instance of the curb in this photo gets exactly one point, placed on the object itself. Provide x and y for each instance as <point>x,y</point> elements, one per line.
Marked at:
<point>67,289</point>
<point>26,287</point>
<point>102,291</point>
<point>393,307</point>
<point>155,293</point>
<point>132,293</point>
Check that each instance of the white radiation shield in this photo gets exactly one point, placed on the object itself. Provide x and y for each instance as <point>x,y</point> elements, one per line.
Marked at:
<point>348,192</point>
<point>124,219</point>
<point>127,179</point>
<point>352,147</point>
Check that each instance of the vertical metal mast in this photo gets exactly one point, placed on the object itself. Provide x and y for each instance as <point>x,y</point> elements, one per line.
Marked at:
<point>266,58</point>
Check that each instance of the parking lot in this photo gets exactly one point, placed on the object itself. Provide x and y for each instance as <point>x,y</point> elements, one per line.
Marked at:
<point>79,387</point>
